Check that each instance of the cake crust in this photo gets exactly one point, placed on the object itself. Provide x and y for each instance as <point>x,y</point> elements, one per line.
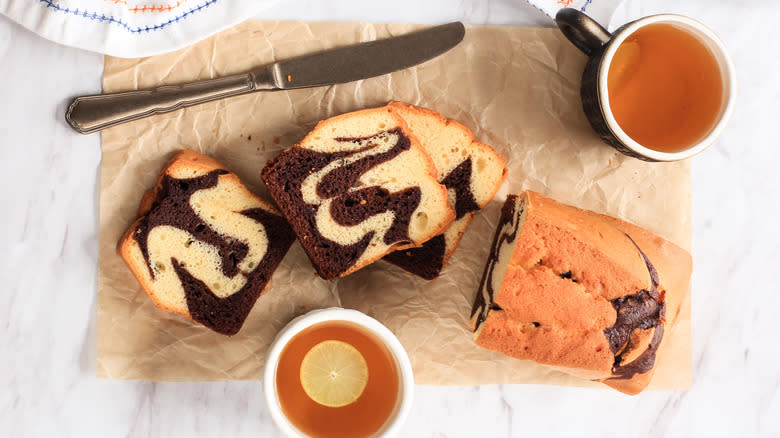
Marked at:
<point>357,187</point>
<point>203,245</point>
<point>471,171</point>
<point>583,292</point>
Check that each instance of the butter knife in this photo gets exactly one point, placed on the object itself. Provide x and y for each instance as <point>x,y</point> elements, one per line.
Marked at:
<point>87,114</point>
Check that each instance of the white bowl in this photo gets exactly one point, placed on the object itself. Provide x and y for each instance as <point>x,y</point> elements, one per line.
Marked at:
<point>403,366</point>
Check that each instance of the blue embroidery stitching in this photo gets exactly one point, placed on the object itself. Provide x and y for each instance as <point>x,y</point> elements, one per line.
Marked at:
<point>109,19</point>
<point>587,2</point>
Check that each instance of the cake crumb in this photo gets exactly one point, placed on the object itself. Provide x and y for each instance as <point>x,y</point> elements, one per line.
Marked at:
<point>249,137</point>
<point>276,140</point>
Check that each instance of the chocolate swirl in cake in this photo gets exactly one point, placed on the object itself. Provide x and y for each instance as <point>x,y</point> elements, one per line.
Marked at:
<point>427,261</point>
<point>506,233</point>
<point>354,207</point>
<point>641,311</point>
<point>171,207</point>
<point>459,180</point>
<point>227,315</point>
<point>314,188</point>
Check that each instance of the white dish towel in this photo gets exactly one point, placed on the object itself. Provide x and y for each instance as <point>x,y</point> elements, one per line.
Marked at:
<point>135,28</point>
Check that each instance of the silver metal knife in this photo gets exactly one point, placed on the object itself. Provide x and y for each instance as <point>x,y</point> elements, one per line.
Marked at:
<point>88,114</point>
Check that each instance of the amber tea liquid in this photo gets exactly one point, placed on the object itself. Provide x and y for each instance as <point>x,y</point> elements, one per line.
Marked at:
<point>364,416</point>
<point>665,88</point>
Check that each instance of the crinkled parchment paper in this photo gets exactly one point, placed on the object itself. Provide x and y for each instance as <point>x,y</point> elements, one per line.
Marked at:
<point>517,89</point>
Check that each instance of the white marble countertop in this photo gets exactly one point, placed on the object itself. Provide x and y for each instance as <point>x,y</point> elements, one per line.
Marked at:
<point>48,240</point>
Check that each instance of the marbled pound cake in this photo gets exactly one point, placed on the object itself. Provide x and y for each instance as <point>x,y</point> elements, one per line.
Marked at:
<point>471,171</point>
<point>356,188</point>
<point>204,246</point>
<point>586,293</point>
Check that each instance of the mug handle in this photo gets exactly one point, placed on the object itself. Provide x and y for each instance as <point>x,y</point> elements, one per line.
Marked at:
<point>583,31</point>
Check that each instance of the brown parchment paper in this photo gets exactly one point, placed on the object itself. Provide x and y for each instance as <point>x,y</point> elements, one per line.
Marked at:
<point>516,88</point>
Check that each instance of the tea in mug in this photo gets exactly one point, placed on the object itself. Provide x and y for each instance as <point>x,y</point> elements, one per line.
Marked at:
<point>335,379</point>
<point>665,88</point>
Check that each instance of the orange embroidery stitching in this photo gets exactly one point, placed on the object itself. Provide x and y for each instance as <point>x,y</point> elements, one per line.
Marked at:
<point>565,2</point>
<point>147,8</point>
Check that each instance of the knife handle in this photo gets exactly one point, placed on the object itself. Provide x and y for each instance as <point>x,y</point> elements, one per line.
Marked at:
<point>87,114</point>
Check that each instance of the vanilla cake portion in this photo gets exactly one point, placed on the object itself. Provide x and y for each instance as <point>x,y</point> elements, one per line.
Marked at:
<point>588,294</point>
<point>471,171</point>
<point>204,246</point>
<point>356,188</point>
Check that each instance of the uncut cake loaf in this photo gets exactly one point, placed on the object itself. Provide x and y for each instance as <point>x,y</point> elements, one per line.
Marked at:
<point>204,246</point>
<point>471,171</point>
<point>356,188</point>
<point>588,294</point>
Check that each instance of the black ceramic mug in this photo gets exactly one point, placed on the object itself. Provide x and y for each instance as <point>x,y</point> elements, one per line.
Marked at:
<point>600,46</point>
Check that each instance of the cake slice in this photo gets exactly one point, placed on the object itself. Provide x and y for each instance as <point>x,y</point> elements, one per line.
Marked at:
<point>356,188</point>
<point>471,171</point>
<point>204,246</point>
<point>588,294</point>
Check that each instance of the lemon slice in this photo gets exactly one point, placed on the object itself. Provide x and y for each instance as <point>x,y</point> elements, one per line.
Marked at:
<point>334,373</point>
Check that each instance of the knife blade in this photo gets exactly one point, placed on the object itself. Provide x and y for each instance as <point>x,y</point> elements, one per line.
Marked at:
<point>87,114</point>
